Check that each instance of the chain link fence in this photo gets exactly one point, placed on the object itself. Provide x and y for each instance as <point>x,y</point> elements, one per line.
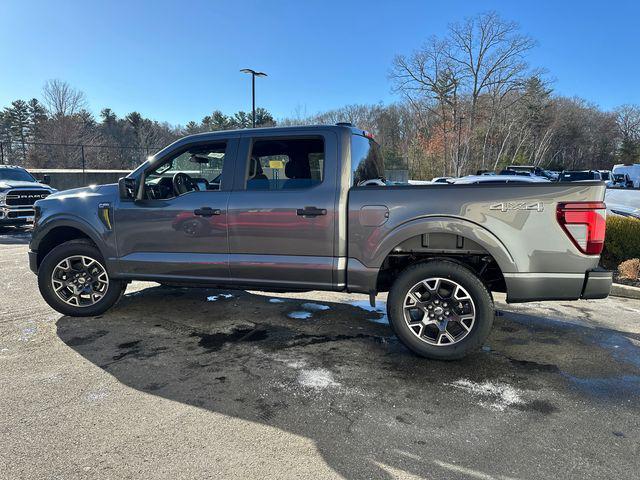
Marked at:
<point>42,155</point>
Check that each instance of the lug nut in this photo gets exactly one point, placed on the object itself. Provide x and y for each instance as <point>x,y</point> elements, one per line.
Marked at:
<point>447,313</point>
<point>444,304</point>
<point>440,318</point>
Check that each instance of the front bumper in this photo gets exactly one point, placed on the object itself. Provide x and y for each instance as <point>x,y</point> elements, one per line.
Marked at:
<point>18,215</point>
<point>532,287</point>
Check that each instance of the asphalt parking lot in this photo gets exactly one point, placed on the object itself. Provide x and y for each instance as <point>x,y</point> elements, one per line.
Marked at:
<point>176,383</point>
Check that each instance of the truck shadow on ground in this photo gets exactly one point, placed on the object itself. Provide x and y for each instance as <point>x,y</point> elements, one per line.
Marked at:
<point>335,374</point>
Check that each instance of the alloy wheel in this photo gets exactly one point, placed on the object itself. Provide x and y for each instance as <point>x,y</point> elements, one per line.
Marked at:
<point>80,281</point>
<point>439,311</point>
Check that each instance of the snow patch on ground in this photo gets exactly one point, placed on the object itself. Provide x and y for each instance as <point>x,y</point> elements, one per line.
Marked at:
<point>299,315</point>
<point>98,395</point>
<point>315,306</point>
<point>317,378</point>
<point>213,298</point>
<point>499,396</point>
<point>380,309</point>
<point>27,333</point>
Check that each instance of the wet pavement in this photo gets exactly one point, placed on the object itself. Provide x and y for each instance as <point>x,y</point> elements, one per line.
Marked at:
<point>178,383</point>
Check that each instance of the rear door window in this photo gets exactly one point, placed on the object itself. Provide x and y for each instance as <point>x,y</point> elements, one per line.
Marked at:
<point>285,164</point>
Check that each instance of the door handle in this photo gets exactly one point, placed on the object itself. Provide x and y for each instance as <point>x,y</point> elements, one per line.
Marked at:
<point>207,212</point>
<point>311,211</point>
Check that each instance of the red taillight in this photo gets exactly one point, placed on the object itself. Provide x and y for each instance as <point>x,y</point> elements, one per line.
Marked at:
<point>585,224</point>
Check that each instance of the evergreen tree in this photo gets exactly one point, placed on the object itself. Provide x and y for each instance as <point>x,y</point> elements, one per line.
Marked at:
<point>19,125</point>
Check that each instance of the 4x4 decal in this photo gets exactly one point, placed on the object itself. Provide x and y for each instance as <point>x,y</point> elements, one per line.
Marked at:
<point>506,206</point>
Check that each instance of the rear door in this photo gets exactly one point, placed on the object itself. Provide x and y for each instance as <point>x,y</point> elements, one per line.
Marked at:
<point>282,214</point>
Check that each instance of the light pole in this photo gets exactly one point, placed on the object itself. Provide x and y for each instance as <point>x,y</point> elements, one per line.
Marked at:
<point>460,118</point>
<point>254,74</point>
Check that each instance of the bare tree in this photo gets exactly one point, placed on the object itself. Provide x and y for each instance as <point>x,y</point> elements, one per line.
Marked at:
<point>61,99</point>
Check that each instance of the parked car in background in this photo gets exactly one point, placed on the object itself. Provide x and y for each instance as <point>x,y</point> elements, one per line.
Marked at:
<point>621,180</point>
<point>502,178</point>
<point>623,202</point>
<point>532,170</point>
<point>607,178</point>
<point>632,170</point>
<point>580,176</point>
<point>303,208</point>
<point>519,173</point>
<point>441,179</point>
<point>19,190</point>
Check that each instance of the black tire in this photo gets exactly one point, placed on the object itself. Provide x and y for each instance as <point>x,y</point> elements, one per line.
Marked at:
<point>480,296</point>
<point>86,248</point>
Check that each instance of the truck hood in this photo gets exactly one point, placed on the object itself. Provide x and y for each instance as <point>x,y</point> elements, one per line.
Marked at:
<point>83,192</point>
<point>7,184</point>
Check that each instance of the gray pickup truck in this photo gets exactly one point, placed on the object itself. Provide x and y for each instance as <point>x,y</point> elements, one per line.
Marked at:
<point>307,208</point>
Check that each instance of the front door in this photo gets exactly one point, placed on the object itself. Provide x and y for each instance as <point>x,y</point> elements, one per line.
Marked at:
<point>281,217</point>
<point>179,230</point>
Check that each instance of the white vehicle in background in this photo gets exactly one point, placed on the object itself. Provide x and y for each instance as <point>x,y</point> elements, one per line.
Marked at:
<point>441,179</point>
<point>419,182</point>
<point>621,180</point>
<point>623,202</point>
<point>502,178</point>
<point>632,170</point>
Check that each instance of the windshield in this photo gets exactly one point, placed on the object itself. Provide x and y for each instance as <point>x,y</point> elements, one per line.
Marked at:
<point>366,160</point>
<point>16,174</point>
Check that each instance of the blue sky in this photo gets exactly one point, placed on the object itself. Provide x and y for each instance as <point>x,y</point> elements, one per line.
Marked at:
<point>178,61</point>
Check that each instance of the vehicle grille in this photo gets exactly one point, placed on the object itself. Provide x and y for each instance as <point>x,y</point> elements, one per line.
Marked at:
<point>21,214</point>
<point>25,197</point>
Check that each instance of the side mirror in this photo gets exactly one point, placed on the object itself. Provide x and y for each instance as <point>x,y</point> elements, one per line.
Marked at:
<point>46,179</point>
<point>127,188</point>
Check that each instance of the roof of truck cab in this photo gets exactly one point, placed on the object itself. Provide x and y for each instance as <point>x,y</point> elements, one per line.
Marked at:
<point>274,130</point>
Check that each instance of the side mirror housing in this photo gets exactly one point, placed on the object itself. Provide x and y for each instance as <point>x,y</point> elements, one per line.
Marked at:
<point>128,188</point>
<point>46,179</point>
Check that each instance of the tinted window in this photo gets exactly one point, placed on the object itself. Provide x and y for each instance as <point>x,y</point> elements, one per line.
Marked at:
<point>284,164</point>
<point>16,174</point>
<point>366,160</point>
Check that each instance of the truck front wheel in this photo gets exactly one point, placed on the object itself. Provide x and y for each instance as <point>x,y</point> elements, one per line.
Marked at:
<point>74,281</point>
<point>440,310</point>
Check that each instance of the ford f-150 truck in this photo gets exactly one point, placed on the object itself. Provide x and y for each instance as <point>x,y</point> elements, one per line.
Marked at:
<point>307,208</point>
<point>19,191</point>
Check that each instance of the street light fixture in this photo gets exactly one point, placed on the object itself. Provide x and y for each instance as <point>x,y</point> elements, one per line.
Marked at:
<point>254,74</point>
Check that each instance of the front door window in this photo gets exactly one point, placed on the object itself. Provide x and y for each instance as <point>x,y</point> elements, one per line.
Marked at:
<point>197,169</point>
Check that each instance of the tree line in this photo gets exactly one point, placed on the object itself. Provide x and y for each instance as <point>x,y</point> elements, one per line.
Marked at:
<point>468,100</point>
<point>59,131</point>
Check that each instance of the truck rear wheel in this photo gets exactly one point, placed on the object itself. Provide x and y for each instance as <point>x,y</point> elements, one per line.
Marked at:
<point>440,310</point>
<point>74,281</point>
